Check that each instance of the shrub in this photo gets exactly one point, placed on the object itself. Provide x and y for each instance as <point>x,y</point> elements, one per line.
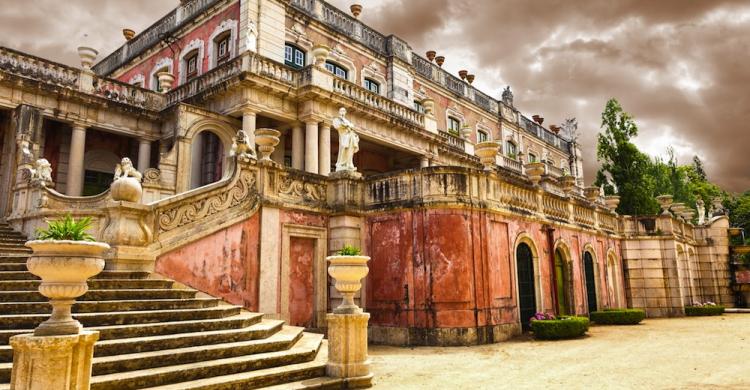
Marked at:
<point>704,310</point>
<point>618,316</point>
<point>349,250</point>
<point>66,228</point>
<point>562,328</point>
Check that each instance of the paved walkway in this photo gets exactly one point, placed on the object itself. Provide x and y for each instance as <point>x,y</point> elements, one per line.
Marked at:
<point>680,353</point>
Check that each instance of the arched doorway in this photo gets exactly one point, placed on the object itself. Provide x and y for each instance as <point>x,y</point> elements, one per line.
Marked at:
<point>562,287</point>
<point>207,156</point>
<point>526,289</point>
<point>588,263</point>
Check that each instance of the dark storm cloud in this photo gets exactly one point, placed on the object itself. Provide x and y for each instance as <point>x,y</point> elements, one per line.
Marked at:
<point>680,66</point>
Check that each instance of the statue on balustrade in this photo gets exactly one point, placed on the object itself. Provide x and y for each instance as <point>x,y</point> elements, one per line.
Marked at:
<point>126,169</point>
<point>241,147</point>
<point>42,171</point>
<point>701,207</point>
<point>348,142</point>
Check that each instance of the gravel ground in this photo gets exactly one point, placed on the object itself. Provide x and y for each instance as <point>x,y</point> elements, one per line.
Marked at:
<point>679,353</point>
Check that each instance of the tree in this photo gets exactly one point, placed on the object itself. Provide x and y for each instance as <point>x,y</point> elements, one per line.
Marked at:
<point>698,167</point>
<point>622,163</point>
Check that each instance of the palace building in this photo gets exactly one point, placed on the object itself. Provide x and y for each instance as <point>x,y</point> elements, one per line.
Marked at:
<point>475,216</point>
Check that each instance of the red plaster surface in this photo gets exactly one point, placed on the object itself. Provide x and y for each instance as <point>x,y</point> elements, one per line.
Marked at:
<point>224,264</point>
<point>743,277</point>
<point>301,290</point>
<point>455,268</point>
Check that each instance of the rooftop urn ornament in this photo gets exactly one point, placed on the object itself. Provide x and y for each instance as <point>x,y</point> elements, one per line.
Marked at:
<point>126,186</point>
<point>87,56</point>
<point>507,96</point>
<point>665,202</point>
<point>440,60</point>
<point>538,119</point>
<point>267,139</point>
<point>487,151</point>
<point>465,132</point>
<point>677,209</point>
<point>356,10</point>
<point>128,33</point>
<point>612,201</point>
<point>555,129</point>
<point>567,183</point>
<point>320,54</point>
<point>348,142</point>
<point>688,215</point>
<point>431,55</point>
<point>429,106</point>
<point>462,74</point>
<point>166,80</point>
<point>534,170</point>
<point>470,78</point>
<point>592,193</point>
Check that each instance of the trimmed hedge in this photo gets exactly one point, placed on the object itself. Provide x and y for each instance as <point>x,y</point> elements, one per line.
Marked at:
<point>563,328</point>
<point>697,311</point>
<point>618,316</point>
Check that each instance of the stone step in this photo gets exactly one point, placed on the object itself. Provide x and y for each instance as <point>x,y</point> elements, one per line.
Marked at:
<point>280,341</point>
<point>110,306</point>
<point>30,321</point>
<point>26,275</point>
<point>95,284</point>
<point>243,320</point>
<point>276,377</point>
<point>304,351</point>
<point>13,266</point>
<point>15,259</point>
<point>104,295</point>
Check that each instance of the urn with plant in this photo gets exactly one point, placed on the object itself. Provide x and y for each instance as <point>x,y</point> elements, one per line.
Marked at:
<point>348,267</point>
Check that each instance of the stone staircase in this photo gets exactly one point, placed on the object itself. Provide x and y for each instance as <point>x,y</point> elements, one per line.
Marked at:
<point>158,334</point>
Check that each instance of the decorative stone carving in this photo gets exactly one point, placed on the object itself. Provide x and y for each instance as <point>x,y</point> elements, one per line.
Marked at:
<point>252,37</point>
<point>301,190</point>
<point>534,170</point>
<point>567,183</point>
<point>64,267</point>
<point>508,96</point>
<point>152,176</point>
<point>320,54</point>
<point>241,147</point>
<point>487,151</point>
<point>267,139</point>
<point>127,183</point>
<point>348,142</point>
<point>348,271</point>
<point>700,206</point>
<point>592,193</point>
<point>42,172</point>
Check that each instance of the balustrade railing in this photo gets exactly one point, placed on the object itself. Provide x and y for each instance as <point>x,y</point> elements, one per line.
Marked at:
<point>554,171</point>
<point>512,164</point>
<point>128,94</point>
<point>376,101</point>
<point>608,222</point>
<point>555,207</point>
<point>583,215</point>
<point>36,68</point>
<point>204,82</point>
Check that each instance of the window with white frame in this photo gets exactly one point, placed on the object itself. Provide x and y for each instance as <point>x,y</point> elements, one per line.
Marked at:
<point>482,136</point>
<point>372,86</point>
<point>511,150</point>
<point>532,158</point>
<point>337,70</point>
<point>418,107</point>
<point>454,125</point>
<point>222,47</point>
<point>191,65</point>
<point>294,56</point>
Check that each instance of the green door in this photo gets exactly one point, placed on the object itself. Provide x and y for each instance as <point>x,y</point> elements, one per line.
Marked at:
<point>562,283</point>
<point>526,292</point>
<point>588,262</point>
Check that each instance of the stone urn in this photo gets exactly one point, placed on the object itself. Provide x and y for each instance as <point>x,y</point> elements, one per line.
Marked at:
<point>356,10</point>
<point>320,54</point>
<point>87,56</point>
<point>465,132</point>
<point>64,267</point>
<point>126,189</point>
<point>266,139</point>
<point>166,81</point>
<point>429,106</point>
<point>440,60</point>
<point>591,193</point>
<point>431,55</point>
<point>612,201</point>
<point>128,33</point>
<point>567,183</point>
<point>677,208</point>
<point>348,272</point>
<point>487,152</point>
<point>665,202</point>
<point>534,170</point>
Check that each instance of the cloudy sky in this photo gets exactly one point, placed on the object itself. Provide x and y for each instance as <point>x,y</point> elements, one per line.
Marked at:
<point>681,67</point>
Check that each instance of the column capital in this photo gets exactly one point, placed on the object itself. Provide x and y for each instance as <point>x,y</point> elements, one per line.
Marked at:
<point>326,124</point>
<point>78,126</point>
<point>249,110</point>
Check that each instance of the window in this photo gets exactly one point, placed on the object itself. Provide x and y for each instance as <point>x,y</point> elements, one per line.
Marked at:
<point>372,86</point>
<point>191,65</point>
<point>511,150</point>
<point>482,136</point>
<point>532,158</point>
<point>294,56</point>
<point>337,70</point>
<point>418,107</point>
<point>222,47</point>
<point>454,125</point>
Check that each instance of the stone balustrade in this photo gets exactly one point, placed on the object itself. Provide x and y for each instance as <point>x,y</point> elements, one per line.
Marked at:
<point>205,82</point>
<point>36,68</point>
<point>376,101</point>
<point>128,94</point>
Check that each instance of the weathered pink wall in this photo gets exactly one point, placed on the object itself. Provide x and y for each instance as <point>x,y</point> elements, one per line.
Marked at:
<point>301,289</point>
<point>443,268</point>
<point>224,264</point>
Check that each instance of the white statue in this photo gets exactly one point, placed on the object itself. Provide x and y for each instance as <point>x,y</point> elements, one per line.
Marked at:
<point>701,207</point>
<point>348,142</point>
<point>241,146</point>
<point>545,155</point>
<point>42,171</point>
<point>252,37</point>
<point>126,169</point>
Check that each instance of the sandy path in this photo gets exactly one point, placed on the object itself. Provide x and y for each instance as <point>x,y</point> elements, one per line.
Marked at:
<point>705,353</point>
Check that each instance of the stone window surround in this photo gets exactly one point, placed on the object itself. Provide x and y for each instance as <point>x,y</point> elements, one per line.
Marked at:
<point>139,78</point>
<point>484,129</point>
<point>223,27</point>
<point>452,112</point>
<point>343,61</point>
<point>195,44</point>
<point>301,48</point>
<point>525,238</point>
<point>164,62</point>
<point>320,269</point>
<point>368,73</point>
<point>567,258</point>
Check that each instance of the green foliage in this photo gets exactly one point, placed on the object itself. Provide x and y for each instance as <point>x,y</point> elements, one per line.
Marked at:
<point>708,310</point>
<point>618,316</point>
<point>563,328</point>
<point>67,229</point>
<point>739,212</point>
<point>349,250</point>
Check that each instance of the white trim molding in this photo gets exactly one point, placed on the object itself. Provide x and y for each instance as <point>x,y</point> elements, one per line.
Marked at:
<point>224,26</point>
<point>164,62</point>
<point>195,44</point>
<point>139,78</point>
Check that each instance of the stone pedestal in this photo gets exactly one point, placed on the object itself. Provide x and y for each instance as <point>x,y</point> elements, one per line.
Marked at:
<point>347,349</point>
<point>128,234</point>
<point>52,362</point>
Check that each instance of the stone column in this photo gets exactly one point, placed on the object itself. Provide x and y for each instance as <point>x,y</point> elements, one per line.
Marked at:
<point>325,149</point>
<point>278,152</point>
<point>75,161</point>
<point>249,125</point>
<point>298,145</point>
<point>144,155</point>
<point>52,362</point>
<point>311,147</point>
<point>424,162</point>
